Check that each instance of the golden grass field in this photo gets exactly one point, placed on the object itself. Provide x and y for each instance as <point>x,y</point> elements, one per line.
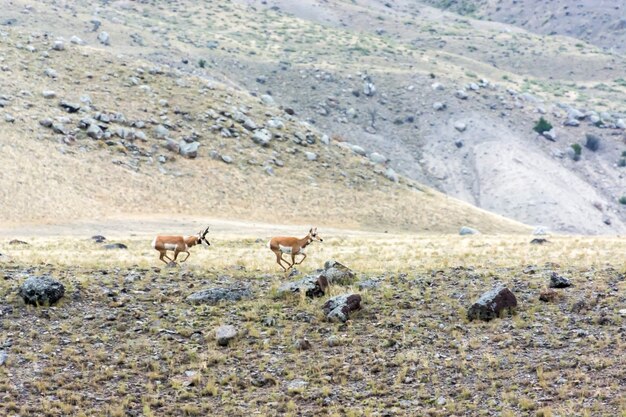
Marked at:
<point>124,341</point>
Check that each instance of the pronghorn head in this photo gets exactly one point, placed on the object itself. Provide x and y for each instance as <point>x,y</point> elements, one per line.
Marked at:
<point>314,236</point>
<point>202,237</point>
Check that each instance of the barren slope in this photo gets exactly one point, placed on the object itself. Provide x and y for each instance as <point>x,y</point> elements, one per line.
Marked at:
<point>145,112</point>
<point>317,58</point>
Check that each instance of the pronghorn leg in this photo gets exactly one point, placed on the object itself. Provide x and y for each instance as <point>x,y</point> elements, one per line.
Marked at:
<point>293,260</point>
<point>176,252</point>
<point>279,257</point>
<point>163,255</point>
<point>303,258</point>
<point>187,252</point>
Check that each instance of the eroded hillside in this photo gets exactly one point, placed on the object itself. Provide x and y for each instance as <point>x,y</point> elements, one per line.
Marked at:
<point>88,134</point>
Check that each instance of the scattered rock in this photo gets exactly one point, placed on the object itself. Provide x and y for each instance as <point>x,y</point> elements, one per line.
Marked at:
<point>46,122</point>
<point>224,334</point>
<point>358,150</point>
<point>41,291</point>
<point>262,137</point>
<point>58,45</point>
<point>465,230</point>
<point>378,158</point>
<point>17,242</point>
<point>59,128</point>
<point>69,107</point>
<point>213,296</point>
<point>302,344</point>
<point>94,131</point>
<point>340,307</point>
<point>3,357</point>
<point>49,72</point>
<point>461,94</point>
<point>491,303</point>
<point>391,175</point>
<point>438,106</point>
<point>48,94</point>
<point>161,132</point>
<point>558,281</point>
<point>98,238</point>
<point>311,156</point>
<point>296,386</point>
<point>104,38</point>
<point>76,40</point>
<point>115,246</point>
<point>188,150</point>
<point>538,241</point>
<point>312,285</point>
<point>460,126</point>
<point>550,135</point>
<point>337,273</point>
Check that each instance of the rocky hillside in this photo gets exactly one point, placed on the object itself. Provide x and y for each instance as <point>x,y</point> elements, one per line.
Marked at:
<point>602,23</point>
<point>442,99</point>
<point>87,134</point>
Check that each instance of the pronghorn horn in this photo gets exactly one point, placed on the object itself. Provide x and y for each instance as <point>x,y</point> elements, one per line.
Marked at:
<point>206,231</point>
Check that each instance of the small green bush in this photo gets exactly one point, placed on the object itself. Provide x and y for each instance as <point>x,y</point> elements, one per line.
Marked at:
<point>622,199</point>
<point>624,154</point>
<point>542,125</point>
<point>621,163</point>
<point>202,63</point>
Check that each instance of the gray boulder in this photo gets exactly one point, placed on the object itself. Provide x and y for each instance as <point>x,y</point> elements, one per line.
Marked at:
<point>358,150</point>
<point>161,131</point>
<point>461,94</point>
<point>104,38</point>
<point>188,150</point>
<point>58,45</point>
<point>558,281</point>
<point>3,357</point>
<point>439,106</point>
<point>224,334</point>
<point>76,40</point>
<point>460,126</point>
<point>340,307</point>
<point>465,230</point>
<point>262,137</point>
<point>41,291</point>
<point>59,128</point>
<point>213,296</point>
<point>337,273</point>
<point>94,131</point>
<point>391,175</point>
<point>378,158</point>
<point>312,285</point>
<point>491,303</point>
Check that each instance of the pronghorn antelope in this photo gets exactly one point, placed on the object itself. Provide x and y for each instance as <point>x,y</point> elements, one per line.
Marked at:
<point>292,246</point>
<point>178,244</point>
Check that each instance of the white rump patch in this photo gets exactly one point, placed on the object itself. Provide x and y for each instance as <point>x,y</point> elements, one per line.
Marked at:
<point>154,243</point>
<point>285,249</point>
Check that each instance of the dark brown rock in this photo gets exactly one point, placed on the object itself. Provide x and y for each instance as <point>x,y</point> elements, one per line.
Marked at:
<point>491,303</point>
<point>340,307</point>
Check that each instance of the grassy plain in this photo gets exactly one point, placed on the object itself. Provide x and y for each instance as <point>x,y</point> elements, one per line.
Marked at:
<point>124,341</point>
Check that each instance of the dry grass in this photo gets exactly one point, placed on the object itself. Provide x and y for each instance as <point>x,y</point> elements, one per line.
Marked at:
<point>124,340</point>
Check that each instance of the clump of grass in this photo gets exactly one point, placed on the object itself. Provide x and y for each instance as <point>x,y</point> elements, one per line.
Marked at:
<point>592,142</point>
